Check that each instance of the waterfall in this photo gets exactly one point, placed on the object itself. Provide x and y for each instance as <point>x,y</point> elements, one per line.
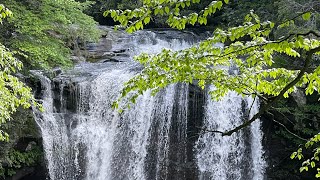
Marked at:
<point>84,138</point>
<point>232,157</point>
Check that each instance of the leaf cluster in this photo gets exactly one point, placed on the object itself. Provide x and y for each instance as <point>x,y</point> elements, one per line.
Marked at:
<point>4,13</point>
<point>136,19</point>
<point>13,92</point>
<point>207,62</point>
<point>17,159</point>
<point>44,31</point>
<point>313,162</point>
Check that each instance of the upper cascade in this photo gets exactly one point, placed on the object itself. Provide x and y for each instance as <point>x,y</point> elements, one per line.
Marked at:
<point>158,137</point>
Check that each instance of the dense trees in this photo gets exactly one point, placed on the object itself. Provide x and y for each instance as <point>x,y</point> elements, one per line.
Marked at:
<point>45,31</point>
<point>34,34</point>
<point>255,47</point>
<point>13,92</point>
<point>39,34</point>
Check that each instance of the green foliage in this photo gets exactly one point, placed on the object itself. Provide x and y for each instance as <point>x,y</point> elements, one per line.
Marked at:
<point>44,31</point>
<point>13,92</point>
<point>134,20</point>
<point>16,160</point>
<point>256,74</point>
<point>308,19</point>
<point>233,14</point>
<point>304,121</point>
<point>4,12</point>
<point>313,162</point>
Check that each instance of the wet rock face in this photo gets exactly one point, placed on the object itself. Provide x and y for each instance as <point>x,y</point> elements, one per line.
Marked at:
<point>103,50</point>
<point>299,97</point>
<point>110,47</point>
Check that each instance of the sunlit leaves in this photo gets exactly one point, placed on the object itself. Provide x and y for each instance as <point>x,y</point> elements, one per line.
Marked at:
<point>207,62</point>
<point>306,16</point>
<point>4,13</point>
<point>314,160</point>
<point>135,19</point>
<point>13,92</point>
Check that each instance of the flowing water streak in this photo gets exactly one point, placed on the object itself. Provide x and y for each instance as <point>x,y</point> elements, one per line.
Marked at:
<point>54,134</point>
<point>219,158</point>
<point>238,157</point>
<point>258,161</point>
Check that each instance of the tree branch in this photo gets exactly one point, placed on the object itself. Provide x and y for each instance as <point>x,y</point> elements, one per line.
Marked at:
<point>263,44</point>
<point>278,97</point>
<point>293,134</point>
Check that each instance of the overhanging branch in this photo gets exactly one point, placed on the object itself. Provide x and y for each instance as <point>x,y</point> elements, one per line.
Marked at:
<point>263,44</point>
<point>278,97</point>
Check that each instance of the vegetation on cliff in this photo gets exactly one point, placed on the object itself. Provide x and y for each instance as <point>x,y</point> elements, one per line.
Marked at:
<point>33,35</point>
<point>45,32</point>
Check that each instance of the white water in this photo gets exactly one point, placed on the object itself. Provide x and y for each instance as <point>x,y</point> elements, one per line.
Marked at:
<point>92,141</point>
<point>235,157</point>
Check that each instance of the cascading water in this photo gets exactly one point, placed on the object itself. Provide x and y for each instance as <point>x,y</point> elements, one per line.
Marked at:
<point>235,157</point>
<point>86,139</point>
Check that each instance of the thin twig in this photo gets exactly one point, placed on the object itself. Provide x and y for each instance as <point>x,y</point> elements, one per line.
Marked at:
<point>295,135</point>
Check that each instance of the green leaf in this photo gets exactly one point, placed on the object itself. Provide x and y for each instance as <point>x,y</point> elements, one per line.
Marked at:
<point>271,24</point>
<point>146,20</point>
<point>182,4</point>
<point>306,16</point>
<point>293,155</point>
<point>113,14</point>
<point>167,10</point>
